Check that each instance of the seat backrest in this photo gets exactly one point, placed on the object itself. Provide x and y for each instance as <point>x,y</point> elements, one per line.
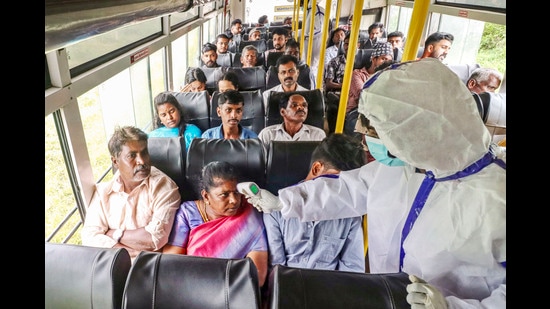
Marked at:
<point>316,107</point>
<point>250,78</point>
<point>159,280</point>
<point>269,42</point>
<point>225,60</point>
<point>247,155</point>
<point>304,78</point>
<point>362,57</point>
<point>492,109</point>
<point>168,155</point>
<point>261,45</point>
<point>298,288</point>
<point>237,60</point>
<point>287,163</point>
<point>253,113</point>
<point>212,76</point>
<point>463,70</point>
<point>84,277</point>
<point>272,58</point>
<point>195,108</point>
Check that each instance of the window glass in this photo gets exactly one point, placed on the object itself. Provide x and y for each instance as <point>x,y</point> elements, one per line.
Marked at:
<point>105,43</point>
<point>484,3</point>
<point>59,198</point>
<point>179,61</point>
<point>180,17</point>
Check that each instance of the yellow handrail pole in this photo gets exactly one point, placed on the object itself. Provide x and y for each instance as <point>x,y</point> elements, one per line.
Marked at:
<point>321,67</point>
<point>311,31</point>
<point>303,35</point>
<point>418,20</point>
<point>350,59</point>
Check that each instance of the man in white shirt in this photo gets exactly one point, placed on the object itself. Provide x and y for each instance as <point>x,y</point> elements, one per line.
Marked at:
<point>287,68</point>
<point>135,210</point>
<point>294,109</point>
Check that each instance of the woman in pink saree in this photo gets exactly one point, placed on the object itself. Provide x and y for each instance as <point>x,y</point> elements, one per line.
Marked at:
<point>221,224</point>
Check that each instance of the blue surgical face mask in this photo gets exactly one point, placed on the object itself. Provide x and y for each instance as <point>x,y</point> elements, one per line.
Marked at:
<point>379,151</point>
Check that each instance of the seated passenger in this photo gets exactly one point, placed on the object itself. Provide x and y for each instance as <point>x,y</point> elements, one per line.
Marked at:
<point>294,109</point>
<point>287,68</point>
<point>396,39</point>
<point>380,57</point>
<point>280,36</point>
<point>222,43</point>
<point>230,110</point>
<point>135,209</point>
<point>254,34</point>
<point>209,55</point>
<point>336,37</point>
<point>329,244</point>
<point>263,21</point>
<point>484,80</point>
<point>249,56</point>
<point>287,21</point>
<point>169,120</point>
<point>437,45</point>
<point>221,224</point>
<point>228,81</point>
<point>376,31</point>
<point>195,81</point>
<point>334,74</point>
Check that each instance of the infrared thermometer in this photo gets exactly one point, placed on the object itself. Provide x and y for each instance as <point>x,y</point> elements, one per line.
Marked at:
<point>248,188</point>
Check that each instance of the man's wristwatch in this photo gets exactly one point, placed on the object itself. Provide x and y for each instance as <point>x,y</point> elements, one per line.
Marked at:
<point>117,235</point>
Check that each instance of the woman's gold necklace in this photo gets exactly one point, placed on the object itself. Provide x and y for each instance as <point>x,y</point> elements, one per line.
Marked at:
<point>202,211</point>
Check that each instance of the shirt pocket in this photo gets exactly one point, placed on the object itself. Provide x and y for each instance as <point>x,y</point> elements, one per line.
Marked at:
<point>330,248</point>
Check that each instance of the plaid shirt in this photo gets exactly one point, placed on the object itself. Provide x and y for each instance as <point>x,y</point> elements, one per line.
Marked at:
<point>335,69</point>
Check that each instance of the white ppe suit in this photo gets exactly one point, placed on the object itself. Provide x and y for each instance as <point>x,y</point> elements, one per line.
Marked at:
<point>426,117</point>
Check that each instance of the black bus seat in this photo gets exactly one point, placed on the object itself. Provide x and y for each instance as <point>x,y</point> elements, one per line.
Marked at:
<point>245,154</point>
<point>168,155</point>
<point>195,107</point>
<point>84,277</point>
<point>252,78</point>
<point>253,111</point>
<point>212,76</point>
<point>287,163</point>
<point>161,280</point>
<point>237,60</point>
<point>362,57</point>
<point>298,288</point>
<point>261,45</point>
<point>316,107</point>
<point>305,78</point>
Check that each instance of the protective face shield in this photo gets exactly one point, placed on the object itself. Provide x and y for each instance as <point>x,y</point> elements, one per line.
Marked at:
<point>381,153</point>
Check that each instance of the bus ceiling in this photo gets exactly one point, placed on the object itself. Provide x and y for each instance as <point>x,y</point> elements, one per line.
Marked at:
<point>70,21</point>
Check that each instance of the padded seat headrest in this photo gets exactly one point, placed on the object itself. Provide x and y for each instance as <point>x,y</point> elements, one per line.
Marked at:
<point>84,277</point>
<point>316,107</point>
<point>160,280</point>
<point>247,155</point>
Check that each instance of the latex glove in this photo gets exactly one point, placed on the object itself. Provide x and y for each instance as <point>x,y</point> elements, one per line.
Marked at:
<point>265,201</point>
<point>421,295</point>
<point>262,199</point>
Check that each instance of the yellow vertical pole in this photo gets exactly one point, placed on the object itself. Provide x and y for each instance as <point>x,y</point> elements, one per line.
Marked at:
<point>350,59</point>
<point>418,20</point>
<point>321,67</point>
